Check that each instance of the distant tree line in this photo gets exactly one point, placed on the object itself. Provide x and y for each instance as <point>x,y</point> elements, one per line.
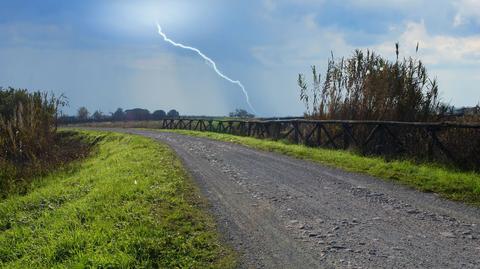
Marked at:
<point>241,113</point>
<point>135,114</point>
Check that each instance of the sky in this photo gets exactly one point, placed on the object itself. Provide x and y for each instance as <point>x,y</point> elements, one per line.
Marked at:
<point>108,54</point>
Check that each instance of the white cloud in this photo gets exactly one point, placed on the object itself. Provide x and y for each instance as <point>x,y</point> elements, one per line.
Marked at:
<point>305,42</point>
<point>435,49</point>
<point>454,61</point>
<point>467,11</point>
<point>302,43</point>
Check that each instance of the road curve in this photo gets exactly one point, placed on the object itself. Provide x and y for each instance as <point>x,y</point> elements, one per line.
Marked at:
<point>280,212</point>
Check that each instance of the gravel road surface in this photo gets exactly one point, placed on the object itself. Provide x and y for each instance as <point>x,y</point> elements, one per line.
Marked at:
<point>280,212</point>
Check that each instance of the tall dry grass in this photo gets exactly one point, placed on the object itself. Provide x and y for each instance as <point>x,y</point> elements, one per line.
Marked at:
<point>366,86</point>
<point>27,133</point>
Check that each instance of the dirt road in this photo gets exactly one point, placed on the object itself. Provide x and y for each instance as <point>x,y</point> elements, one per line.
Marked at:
<point>279,212</point>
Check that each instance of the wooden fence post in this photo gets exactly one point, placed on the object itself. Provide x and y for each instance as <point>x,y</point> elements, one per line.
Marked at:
<point>296,132</point>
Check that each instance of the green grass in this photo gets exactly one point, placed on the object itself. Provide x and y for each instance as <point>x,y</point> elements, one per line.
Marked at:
<point>451,184</point>
<point>129,205</point>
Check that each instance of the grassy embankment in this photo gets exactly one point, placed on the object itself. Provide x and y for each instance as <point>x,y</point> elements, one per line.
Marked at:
<point>451,184</point>
<point>130,204</point>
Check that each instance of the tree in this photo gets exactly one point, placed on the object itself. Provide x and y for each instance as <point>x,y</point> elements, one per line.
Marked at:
<point>137,114</point>
<point>118,115</point>
<point>82,113</point>
<point>159,114</point>
<point>173,113</point>
<point>241,113</point>
<point>98,115</point>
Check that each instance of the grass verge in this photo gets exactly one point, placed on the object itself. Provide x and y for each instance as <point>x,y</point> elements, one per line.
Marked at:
<point>451,184</point>
<point>65,147</point>
<point>129,205</point>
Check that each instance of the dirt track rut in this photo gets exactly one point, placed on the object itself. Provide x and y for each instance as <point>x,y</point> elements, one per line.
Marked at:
<point>280,212</point>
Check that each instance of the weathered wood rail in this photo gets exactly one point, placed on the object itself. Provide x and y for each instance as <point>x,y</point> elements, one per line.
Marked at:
<point>369,137</point>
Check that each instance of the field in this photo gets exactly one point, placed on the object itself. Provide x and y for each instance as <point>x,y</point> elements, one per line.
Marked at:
<point>130,204</point>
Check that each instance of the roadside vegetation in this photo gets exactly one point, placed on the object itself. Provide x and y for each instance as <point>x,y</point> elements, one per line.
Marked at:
<point>448,182</point>
<point>30,145</point>
<point>80,199</point>
<point>129,205</point>
<point>120,115</point>
<point>241,113</point>
<point>367,86</point>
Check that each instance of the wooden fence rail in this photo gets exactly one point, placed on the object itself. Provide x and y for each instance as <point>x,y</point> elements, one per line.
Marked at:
<point>370,137</point>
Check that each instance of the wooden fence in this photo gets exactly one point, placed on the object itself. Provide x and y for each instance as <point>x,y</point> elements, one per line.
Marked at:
<point>432,141</point>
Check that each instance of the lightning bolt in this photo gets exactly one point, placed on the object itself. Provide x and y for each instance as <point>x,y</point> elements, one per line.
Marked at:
<point>210,61</point>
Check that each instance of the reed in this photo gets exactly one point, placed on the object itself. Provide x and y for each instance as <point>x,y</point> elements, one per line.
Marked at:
<point>28,134</point>
<point>366,86</point>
